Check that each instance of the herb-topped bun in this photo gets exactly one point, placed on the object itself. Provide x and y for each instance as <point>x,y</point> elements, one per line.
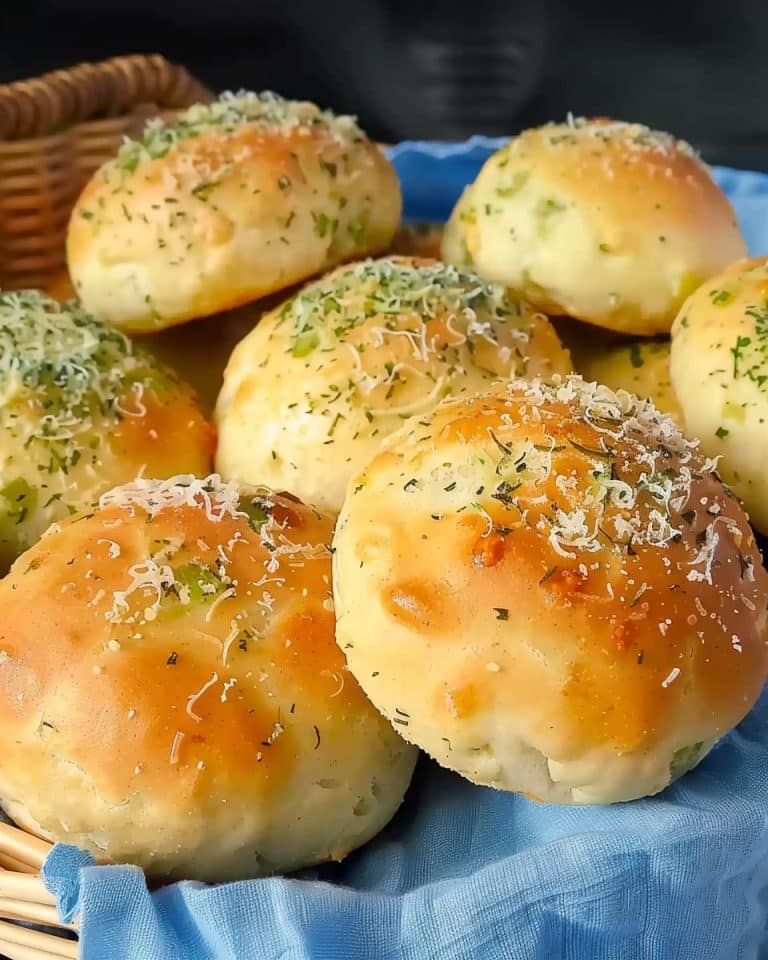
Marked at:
<point>611,223</point>
<point>81,409</point>
<point>638,366</point>
<point>309,395</point>
<point>234,200</point>
<point>550,591</point>
<point>719,368</point>
<point>168,664</point>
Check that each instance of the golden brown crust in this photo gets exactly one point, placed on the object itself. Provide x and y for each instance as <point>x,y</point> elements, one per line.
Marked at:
<point>556,589</point>
<point>311,392</point>
<point>190,225</point>
<point>611,223</point>
<point>172,669</point>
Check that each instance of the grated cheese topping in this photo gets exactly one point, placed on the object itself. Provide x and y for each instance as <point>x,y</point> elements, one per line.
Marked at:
<point>398,336</point>
<point>217,497</point>
<point>636,137</point>
<point>230,112</point>
<point>390,288</point>
<point>641,478</point>
<point>179,575</point>
<point>636,489</point>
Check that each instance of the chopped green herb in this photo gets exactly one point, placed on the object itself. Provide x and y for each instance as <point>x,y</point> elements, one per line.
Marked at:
<point>321,223</point>
<point>635,356</point>
<point>257,510</point>
<point>203,190</point>
<point>684,760</point>
<point>721,297</point>
<point>518,182</point>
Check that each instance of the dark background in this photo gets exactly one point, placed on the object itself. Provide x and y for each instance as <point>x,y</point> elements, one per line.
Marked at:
<point>444,70</point>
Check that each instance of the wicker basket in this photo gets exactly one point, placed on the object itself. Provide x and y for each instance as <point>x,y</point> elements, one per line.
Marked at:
<point>25,900</point>
<point>54,132</point>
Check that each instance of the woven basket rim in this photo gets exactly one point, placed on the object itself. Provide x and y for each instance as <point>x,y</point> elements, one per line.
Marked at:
<point>43,106</point>
<point>24,900</point>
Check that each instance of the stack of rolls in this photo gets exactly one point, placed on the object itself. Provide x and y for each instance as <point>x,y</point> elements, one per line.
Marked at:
<point>235,200</point>
<point>622,233</point>
<point>411,525</point>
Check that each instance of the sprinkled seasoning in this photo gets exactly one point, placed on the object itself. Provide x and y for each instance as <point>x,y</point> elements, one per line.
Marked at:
<point>229,113</point>
<point>374,342</point>
<point>66,381</point>
<point>174,577</point>
<point>605,482</point>
<point>635,136</point>
<point>608,513</point>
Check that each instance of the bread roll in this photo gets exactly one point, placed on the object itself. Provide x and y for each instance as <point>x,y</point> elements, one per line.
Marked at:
<point>719,367</point>
<point>233,201</point>
<point>607,222</point>
<point>309,395</point>
<point>171,694</point>
<point>81,409</point>
<point>638,366</point>
<point>551,592</point>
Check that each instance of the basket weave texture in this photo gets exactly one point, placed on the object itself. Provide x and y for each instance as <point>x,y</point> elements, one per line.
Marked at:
<point>55,131</point>
<point>30,928</point>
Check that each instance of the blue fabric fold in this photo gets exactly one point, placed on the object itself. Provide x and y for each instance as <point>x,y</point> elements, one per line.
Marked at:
<point>468,873</point>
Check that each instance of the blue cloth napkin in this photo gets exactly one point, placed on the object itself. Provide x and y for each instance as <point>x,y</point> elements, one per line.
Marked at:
<point>467,873</point>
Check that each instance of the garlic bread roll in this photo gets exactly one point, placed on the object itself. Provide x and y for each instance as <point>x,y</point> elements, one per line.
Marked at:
<point>719,367</point>
<point>639,366</point>
<point>550,591</point>
<point>603,221</point>
<point>81,409</point>
<point>171,694</point>
<point>234,200</point>
<point>309,395</point>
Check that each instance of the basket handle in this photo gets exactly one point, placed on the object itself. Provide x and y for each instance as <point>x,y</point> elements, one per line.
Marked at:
<point>62,98</point>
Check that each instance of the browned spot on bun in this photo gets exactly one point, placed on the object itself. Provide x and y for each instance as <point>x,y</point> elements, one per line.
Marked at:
<point>489,551</point>
<point>625,632</point>
<point>463,702</point>
<point>564,586</point>
<point>285,514</point>
<point>419,604</point>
